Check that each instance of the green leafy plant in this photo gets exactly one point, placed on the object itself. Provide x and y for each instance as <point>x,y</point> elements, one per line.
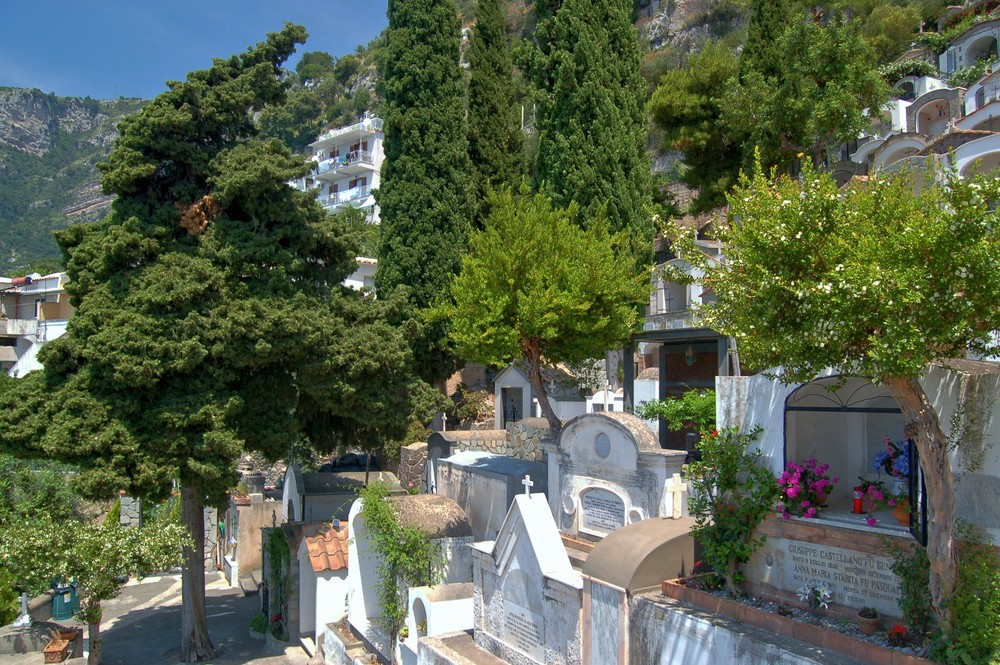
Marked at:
<point>258,624</point>
<point>897,70</point>
<point>407,556</point>
<point>695,409</point>
<point>114,515</point>
<point>278,557</point>
<point>731,493</point>
<point>973,637</point>
<point>912,568</point>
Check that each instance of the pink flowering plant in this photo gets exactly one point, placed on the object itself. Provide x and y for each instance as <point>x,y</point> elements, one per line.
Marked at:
<point>803,488</point>
<point>874,497</point>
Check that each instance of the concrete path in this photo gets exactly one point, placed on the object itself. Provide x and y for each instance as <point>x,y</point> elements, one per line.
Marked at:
<point>142,626</point>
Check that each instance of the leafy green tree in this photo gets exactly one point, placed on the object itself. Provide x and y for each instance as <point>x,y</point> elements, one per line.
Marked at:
<point>315,65</point>
<point>878,280</point>
<point>536,286</point>
<point>590,117</point>
<point>694,410</point>
<point>297,122</point>
<point>687,106</point>
<point>98,557</point>
<point>826,82</point>
<point>424,197</point>
<point>890,29</point>
<point>496,146</point>
<point>210,316</point>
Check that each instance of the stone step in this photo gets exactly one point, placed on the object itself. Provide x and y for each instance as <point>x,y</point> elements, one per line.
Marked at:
<point>577,551</point>
<point>309,644</point>
<point>249,584</point>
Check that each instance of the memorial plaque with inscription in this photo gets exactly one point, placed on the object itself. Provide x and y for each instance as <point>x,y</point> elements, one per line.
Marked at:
<point>856,579</point>
<point>523,631</point>
<point>601,512</point>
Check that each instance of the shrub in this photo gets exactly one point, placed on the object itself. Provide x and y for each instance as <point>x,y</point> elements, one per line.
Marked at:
<point>258,624</point>
<point>973,638</point>
<point>731,493</point>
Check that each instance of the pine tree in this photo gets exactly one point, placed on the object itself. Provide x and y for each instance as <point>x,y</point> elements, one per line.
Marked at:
<point>210,316</point>
<point>496,146</point>
<point>425,196</point>
<point>590,117</point>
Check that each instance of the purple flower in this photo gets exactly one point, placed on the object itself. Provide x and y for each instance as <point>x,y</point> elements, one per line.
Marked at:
<point>805,504</point>
<point>811,512</point>
<point>871,520</point>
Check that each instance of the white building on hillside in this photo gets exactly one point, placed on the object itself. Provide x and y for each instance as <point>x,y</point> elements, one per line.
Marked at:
<point>33,310</point>
<point>348,162</point>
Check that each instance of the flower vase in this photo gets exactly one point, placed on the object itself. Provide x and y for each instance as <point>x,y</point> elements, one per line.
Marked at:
<point>902,512</point>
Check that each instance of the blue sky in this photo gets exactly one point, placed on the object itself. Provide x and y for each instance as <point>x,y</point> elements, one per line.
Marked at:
<point>129,48</point>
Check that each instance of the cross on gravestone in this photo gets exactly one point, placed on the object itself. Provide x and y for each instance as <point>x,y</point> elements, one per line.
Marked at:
<point>528,484</point>
<point>676,487</point>
<point>24,619</point>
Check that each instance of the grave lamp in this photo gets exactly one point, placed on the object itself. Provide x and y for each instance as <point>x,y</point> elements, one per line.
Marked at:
<point>689,355</point>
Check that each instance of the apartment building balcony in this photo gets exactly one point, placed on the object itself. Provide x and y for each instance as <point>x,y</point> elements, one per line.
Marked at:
<point>347,133</point>
<point>353,163</point>
<point>359,197</point>
<point>18,327</point>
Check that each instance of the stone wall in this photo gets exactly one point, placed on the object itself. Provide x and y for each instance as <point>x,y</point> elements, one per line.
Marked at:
<point>522,440</point>
<point>131,513</point>
<point>412,460</point>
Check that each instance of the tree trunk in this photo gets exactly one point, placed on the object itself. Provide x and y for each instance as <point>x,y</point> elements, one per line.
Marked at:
<point>94,642</point>
<point>534,359</point>
<point>195,642</point>
<point>922,424</point>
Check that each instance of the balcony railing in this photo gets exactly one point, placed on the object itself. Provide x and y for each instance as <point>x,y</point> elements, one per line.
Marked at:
<point>368,125</point>
<point>340,198</point>
<point>334,164</point>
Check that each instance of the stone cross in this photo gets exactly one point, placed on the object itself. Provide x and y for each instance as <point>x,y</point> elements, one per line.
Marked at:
<point>677,488</point>
<point>527,485</point>
<point>24,619</point>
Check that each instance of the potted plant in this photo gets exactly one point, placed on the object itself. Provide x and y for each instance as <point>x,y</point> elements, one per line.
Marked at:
<point>869,620</point>
<point>804,488</point>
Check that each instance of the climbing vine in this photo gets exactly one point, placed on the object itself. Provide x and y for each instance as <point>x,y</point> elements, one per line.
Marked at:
<point>406,555</point>
<point>278,557</point>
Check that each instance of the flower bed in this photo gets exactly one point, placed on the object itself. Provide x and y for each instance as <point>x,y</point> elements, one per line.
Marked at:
<point>827,633</point>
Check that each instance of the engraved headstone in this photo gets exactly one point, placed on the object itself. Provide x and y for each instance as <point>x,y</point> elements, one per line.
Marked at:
<point>601,512</point>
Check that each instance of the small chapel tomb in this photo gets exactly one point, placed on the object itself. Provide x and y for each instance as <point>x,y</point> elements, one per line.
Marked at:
<point>526,594</point>
<point>607,471</point>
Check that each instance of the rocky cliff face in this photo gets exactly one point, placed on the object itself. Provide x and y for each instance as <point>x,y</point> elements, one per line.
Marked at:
<point>49,148</point>
<point>30,120</point>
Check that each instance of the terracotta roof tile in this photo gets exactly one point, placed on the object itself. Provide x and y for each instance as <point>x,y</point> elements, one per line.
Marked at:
<point>328,549</point>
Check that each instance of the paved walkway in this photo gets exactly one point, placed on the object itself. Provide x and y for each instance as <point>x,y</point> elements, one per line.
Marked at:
<point>143,626</point>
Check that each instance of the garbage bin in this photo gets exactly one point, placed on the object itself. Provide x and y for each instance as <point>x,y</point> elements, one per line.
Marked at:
<point>63,600</point>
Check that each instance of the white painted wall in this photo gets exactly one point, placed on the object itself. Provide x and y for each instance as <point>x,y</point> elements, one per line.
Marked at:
<point>293,493</point>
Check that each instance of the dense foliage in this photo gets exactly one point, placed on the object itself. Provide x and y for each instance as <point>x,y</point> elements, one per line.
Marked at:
<point>496,149</point>
<point>590,118</point>
<point>425,195</point>
<point>536,286</point>
<point>732,491</point>
<point>694,410</point>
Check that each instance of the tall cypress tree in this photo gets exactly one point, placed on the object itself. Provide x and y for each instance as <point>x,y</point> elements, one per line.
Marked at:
<point>590,116</point>
<point>496,147</point>
<point>762,48</point>
<point>424,197</point>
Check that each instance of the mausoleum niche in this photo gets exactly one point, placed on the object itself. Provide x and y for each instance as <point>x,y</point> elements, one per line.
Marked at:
<point>843,422</point>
